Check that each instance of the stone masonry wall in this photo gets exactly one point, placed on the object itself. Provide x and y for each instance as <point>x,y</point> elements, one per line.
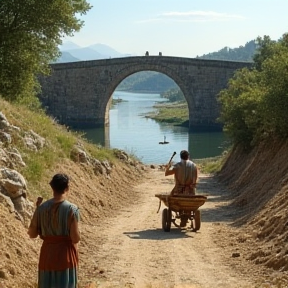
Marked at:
<point>78,93</point>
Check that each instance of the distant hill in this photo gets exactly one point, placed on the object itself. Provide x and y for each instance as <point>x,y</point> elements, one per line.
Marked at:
<point>147,82</point>
<point>85,54</point>
<point>92,52</point>
<point>66,57</point>
<point>107,51</point>
<point>68,45</point>
<point>242,53</point>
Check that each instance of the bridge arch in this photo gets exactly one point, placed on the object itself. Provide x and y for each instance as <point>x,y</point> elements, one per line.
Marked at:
<point>121,75</point>
<point>78,94</point>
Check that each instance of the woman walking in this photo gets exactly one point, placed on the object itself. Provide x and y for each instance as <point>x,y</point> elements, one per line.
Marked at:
<point>56,222</point>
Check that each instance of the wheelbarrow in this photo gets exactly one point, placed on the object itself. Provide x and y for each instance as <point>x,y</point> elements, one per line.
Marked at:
<point>181,209</point>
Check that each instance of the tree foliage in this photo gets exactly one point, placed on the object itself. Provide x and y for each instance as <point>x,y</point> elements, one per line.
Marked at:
<point>30,33</point>
<point>173,95</point>
<point>255,103</point>
<point>264,51</point>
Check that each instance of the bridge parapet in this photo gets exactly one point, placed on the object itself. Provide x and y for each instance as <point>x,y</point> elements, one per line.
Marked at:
<point>78,94</point>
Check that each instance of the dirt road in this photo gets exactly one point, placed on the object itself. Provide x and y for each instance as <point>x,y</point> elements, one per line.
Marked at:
<point>132,250</point>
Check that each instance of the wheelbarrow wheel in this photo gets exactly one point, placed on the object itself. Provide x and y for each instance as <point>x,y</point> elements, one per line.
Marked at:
<point>166,219</point>
<point>197,220</point>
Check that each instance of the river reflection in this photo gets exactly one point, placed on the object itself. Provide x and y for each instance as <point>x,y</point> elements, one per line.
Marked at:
<point>129,130</point>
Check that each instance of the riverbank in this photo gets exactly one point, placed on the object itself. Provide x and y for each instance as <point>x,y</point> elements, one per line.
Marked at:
<point>175,113</point>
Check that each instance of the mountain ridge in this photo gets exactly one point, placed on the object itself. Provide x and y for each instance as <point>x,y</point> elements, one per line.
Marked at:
<point>92,52</point>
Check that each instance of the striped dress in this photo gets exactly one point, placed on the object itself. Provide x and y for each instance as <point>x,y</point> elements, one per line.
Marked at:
<point>58,256</point>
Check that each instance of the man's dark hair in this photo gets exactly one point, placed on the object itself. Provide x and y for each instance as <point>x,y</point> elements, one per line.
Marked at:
<point>184,155</point>
<point>59,183</point>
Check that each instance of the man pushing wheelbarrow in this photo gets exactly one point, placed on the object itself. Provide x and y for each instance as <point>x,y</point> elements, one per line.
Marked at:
<point>182,200</point>
<point>185,174</point>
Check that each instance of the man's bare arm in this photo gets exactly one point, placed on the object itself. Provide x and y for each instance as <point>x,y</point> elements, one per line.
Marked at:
<point>169,171</point>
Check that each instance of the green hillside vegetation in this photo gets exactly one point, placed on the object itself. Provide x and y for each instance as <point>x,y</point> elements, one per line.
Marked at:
<point>255,103</point>
<point>242,53</point>
<point>147,82</point>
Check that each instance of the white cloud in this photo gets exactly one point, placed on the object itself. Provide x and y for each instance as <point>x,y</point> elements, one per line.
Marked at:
<point>193,16</point>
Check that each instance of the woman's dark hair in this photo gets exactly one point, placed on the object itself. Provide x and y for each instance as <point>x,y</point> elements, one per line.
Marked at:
<point>59,183</point>
<point>184,155</point>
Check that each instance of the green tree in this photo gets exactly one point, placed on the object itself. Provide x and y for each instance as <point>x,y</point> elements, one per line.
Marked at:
<point>239,104</point>
<point>264,50</point>
<point>255,103</point>
<point>173,95</point>
<point>30,33</point>
<point>274,80</point>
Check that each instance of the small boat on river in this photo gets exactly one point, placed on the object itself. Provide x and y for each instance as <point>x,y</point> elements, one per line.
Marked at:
<point>164,142</point>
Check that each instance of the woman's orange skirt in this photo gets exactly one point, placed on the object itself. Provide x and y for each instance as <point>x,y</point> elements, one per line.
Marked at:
<point>57,253</point>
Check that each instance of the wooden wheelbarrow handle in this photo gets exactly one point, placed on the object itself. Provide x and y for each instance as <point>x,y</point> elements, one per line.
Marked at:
<point>159,206</point>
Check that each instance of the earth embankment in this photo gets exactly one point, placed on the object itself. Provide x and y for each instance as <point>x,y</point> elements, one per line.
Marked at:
<point>258,183</point>
<point>241,243</point>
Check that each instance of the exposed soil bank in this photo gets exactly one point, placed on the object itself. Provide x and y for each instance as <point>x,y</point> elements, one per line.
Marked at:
<point>242,241</point>
<point>258,183</point>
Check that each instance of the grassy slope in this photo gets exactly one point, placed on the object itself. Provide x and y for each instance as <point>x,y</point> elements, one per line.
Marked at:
<point>97,195</point>
<point>59,143</point>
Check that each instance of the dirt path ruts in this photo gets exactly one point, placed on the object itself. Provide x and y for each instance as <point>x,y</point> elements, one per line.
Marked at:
<point>132,250</point>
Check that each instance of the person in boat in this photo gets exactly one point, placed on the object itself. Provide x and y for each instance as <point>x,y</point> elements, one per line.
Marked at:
<point>164,142</point>
<point>56,222</point>
<point>185,174</point>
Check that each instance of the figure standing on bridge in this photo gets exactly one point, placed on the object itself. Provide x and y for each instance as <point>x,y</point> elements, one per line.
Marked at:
<point>185,174</point>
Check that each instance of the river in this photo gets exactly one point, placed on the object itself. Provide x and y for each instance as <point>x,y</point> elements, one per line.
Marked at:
<point>131,131</point>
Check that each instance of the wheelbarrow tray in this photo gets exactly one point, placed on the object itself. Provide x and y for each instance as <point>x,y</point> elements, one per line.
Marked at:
<point>183,202</point>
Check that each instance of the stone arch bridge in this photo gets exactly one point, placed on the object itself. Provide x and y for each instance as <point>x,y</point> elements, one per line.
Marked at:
<point>79,94</point>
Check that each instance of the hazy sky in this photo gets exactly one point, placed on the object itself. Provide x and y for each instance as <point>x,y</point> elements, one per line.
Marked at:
<point>184,28</point>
